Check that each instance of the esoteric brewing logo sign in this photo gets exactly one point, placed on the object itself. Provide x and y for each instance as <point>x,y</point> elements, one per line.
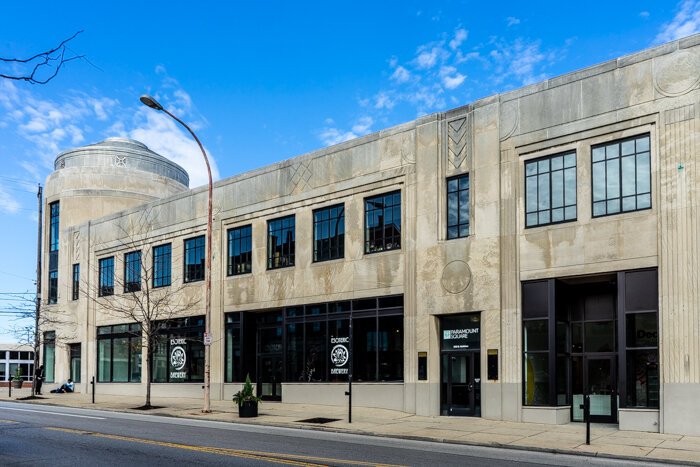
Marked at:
<point>178,359</point>
<point>339,355</point>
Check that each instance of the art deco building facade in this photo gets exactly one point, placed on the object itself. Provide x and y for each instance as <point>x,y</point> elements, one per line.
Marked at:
<point>500,260</point>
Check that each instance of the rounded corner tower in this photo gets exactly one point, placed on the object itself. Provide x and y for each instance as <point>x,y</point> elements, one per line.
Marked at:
<point>107,177</point>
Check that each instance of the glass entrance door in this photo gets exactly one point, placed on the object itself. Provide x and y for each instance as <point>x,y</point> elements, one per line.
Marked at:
<point>461,384</point>
<point>602,389</point>
<point>595,375</point>
<point>270,379</point>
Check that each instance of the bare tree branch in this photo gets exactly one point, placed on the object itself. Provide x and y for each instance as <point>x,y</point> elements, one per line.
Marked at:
<point>154,308</point>
<point>32,69</point>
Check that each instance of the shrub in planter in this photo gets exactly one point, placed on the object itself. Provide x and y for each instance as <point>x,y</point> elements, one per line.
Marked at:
<point>17,379</point>
<point>247,400</point>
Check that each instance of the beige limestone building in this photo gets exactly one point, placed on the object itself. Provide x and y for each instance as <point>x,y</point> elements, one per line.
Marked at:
<point>498,260</point>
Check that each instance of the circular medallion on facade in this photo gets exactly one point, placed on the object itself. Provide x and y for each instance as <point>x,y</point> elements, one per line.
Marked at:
<point>177,358</point>
<point>339,355</point>
<point>456,277</point>
<point>677,73</point>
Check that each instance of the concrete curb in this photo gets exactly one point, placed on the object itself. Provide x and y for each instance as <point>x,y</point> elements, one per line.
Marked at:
<point>312,427</point>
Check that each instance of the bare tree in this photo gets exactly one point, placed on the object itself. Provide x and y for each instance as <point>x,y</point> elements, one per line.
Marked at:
<point>144,301</point>
<point>33,320</point>
<point>42,67</point>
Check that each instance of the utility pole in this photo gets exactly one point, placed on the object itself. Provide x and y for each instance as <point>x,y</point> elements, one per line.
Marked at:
<point>37,300</point>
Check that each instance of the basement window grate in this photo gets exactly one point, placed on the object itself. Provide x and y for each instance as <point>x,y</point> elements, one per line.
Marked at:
<point>319,420</point>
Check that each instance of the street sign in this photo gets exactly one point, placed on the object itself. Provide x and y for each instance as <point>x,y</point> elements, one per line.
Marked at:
<point>207,339</point>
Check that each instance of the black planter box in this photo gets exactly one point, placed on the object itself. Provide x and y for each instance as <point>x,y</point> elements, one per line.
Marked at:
<point>248,409</point>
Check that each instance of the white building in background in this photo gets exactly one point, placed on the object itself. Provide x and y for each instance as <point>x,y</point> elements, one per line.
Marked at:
<point>13,357</point>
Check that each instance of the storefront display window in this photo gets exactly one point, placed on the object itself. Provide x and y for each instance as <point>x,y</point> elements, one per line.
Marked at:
<point>179,355</point>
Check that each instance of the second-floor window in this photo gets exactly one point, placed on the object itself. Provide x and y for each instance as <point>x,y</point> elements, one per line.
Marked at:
<point>550,189</point>
<point>54,209</point>
<point>106,273</point>
<point>53,286</point>
<point>161,265</point>
<point>132,271</point>
<point>76,282</point>
<point>621,176</point>
<point>240,248</point>
<point>280,242</point>
<point>383,222</point>
<point>458,206</point>
<point>194,259</point>
<point>329,233</point>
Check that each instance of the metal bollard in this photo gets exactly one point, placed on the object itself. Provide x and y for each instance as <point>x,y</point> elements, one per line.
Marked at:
<point>586,406</point>
<point>92,382</point>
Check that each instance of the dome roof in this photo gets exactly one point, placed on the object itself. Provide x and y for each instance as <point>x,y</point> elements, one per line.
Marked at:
<point>121,154</point>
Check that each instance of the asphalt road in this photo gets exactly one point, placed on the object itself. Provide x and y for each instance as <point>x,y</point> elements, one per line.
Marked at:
<point>56,436</point>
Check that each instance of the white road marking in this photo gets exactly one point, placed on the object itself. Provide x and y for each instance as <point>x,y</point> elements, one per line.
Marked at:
<point>54,413</point>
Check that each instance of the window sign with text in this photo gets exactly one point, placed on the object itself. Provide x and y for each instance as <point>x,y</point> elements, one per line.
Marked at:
<point>460,332</point>
<point>340,355</point>
<point>178,360</point>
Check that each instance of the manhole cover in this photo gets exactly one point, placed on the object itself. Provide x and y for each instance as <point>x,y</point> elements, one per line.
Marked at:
<point>319,420</point>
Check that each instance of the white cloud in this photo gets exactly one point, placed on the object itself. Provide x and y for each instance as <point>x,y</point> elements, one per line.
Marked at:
<point>8,203</point>
<point>383,101</point>
<point>521,59</point>
<point>644,14</point>
<point>453,82</point>
<point>428,56</point>
<point>459,37</point>
<point>685,23</point>
<point>164,136</point>
<point>512,21</point>
<point>53,126</point>
<point>400,75</point>
<point>332,135</point>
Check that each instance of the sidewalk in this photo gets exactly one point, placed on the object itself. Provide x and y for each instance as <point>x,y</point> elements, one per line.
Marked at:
<point>606,440</point>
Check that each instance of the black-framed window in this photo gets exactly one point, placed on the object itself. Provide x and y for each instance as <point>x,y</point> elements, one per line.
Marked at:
<point>106,273</point>
<point>74,352</point>
<point>383,222</point>
<point>53,286</point>
<point>75,289</point>
<point>194,259</point>
<point>458,206</point>
<point>240,250</point>
<point>119,353</point>
<point>550,189</point>
<point>312,331</point>
<point>329,233</point>
<point>233,348</point>
<point>621,176</point>
<point>641,322</point>
<point>54,213</point>
<point>49,356</point>
<point>280,242</point>
<point>179,351</point>
<point>538,351</point>
<point>132,271</point>
<point>162,264</point>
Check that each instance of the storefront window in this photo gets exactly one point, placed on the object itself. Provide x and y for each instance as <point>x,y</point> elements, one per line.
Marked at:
<point>233,347</point>
<point>179,354</point>
<point>390,348</point>
<point>75,362</point>
<point>49,356</point>
<point>119,353</point>
<point>315,340</point>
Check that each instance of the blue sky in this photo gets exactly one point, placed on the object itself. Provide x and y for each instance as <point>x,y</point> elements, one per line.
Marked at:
<point>263,82</point>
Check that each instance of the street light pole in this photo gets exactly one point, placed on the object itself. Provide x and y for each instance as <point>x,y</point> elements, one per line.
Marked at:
<point>152,103</point>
